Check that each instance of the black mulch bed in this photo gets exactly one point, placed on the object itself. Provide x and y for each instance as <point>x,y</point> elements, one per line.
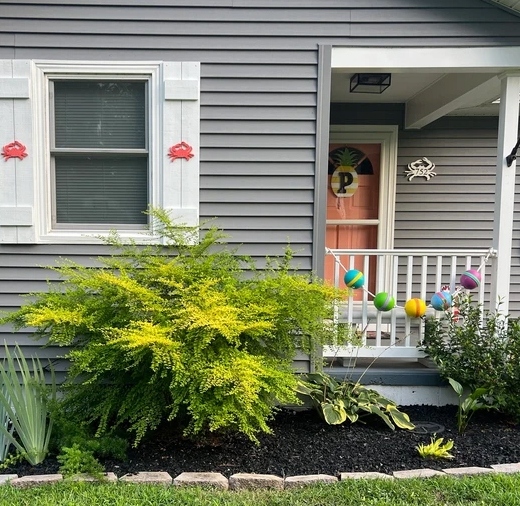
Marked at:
<point>303,444</point>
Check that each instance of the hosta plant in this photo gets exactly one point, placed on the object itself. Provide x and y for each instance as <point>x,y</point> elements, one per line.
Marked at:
<point>187,330</point>
<point>339,401</point>
<point>436,449</point>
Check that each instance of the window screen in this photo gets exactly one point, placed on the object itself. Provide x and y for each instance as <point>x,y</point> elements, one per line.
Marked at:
<point>100,152</point>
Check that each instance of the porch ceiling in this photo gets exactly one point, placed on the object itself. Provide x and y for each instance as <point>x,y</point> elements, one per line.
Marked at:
<point>427,93</point>
<point>509,5</point>
<point>455,81</point>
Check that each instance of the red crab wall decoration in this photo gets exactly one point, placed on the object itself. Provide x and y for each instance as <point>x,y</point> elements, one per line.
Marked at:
<point>14,150</point>
<point>181,150</point>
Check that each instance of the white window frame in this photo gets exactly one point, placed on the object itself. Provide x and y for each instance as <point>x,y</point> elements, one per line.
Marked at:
<point>55,152</point>
<point>161,80</point>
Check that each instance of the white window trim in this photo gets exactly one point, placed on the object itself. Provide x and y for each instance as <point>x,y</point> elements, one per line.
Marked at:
<point>43,72</point>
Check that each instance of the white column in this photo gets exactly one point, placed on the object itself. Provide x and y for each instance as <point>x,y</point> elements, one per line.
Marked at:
<point>505,191</point>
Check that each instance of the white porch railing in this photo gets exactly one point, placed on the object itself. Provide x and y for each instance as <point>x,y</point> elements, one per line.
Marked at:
<point>404,274</point>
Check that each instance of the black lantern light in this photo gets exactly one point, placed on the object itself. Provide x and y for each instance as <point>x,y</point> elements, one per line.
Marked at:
<point>370,83</point>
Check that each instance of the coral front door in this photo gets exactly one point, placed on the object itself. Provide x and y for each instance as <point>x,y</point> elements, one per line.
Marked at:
<point>361,185</point>
<point>353,203</point>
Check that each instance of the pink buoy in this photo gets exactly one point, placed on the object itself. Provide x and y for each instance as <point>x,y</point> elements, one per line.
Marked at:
<point>471,279</point>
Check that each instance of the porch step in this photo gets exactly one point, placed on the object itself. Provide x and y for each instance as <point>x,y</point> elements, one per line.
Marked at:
<point>407,374</point>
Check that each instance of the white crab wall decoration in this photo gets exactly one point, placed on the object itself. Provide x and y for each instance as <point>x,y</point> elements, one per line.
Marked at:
<point>421,168</point>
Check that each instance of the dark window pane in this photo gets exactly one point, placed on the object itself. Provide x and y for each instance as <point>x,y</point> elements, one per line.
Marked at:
<point>100,114</point>
<point>101,189</point>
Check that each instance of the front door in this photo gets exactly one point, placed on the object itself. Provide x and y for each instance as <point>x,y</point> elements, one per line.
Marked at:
<point>360,186</point>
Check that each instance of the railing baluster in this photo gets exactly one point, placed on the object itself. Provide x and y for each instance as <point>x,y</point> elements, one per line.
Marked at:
<point>403,267</point>
<point>481,291</point>
<point>424,278</point>
<point>409,279</point>
<point>453,273</point>
<point>337,268</point>
<point>366,271</point>
<point>393,291</point>
<point>379,316</point>
<point>350,308</point>
<point>438,273</point>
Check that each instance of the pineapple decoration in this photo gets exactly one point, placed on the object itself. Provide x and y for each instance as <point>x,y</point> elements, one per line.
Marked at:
<point>344,180</point>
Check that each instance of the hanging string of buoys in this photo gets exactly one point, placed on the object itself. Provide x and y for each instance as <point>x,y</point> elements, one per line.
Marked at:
<point>415,307</point>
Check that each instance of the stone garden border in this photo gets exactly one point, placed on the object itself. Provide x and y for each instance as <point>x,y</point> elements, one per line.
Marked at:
<point>251,481</point>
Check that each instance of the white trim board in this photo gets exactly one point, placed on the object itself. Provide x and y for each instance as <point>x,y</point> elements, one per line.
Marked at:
<point>405,395</point>
<point>427,59</point>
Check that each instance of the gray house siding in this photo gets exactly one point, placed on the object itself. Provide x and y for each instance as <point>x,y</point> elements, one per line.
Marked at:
<point>455,208</point>
<point>259,87</point>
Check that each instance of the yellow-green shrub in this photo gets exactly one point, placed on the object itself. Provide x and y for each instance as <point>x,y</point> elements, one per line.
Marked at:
<point>190,331</point>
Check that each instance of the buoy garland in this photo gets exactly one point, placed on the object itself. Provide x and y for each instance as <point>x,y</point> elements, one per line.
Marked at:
<point>415,307</point>
<point>384,302</point>
<point>441,300</point>
<point>471,279</point>
<point>354,278</point>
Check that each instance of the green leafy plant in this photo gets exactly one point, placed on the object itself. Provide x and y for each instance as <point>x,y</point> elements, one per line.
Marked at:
<point>67,432</point>
<point>11,460</point>
<point>436,449</point>
<point>76,460</point>
<point>5,422</point>
<point>339,401</point>
<point>473,402</point>
<point>189,331</point>
<point>26,402</point>
<point>478,350</point>
<point>107,446</point>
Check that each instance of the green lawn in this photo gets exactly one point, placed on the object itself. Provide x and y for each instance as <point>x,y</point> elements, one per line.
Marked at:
<point>497,490</point>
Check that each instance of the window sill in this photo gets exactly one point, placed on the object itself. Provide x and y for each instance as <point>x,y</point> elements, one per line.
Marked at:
<point>96,237</point>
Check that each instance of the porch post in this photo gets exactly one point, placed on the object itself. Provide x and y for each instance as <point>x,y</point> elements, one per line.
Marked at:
<point>322,164</point>
<point>505,191</point>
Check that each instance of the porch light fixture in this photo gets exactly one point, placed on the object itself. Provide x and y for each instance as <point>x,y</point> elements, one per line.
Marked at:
<point>370,83</point>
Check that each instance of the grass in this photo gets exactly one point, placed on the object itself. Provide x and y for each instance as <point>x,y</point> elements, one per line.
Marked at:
<point>500,490</point>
